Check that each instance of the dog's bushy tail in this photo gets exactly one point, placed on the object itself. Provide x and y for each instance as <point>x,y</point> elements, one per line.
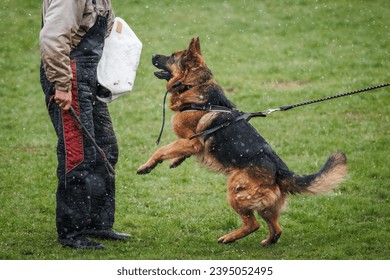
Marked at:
<point>331,174</point>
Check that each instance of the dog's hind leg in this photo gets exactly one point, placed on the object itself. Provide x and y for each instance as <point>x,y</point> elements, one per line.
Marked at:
<point>249,191</point>
<point>271,217</point>
<point>250,225</point>
<point>237,192</point>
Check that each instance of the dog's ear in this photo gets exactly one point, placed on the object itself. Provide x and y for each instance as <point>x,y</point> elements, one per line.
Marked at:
<point>194,46</point>
<point>193,57</point>
<point>193,62</point>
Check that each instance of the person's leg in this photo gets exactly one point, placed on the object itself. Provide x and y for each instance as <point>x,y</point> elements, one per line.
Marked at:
<point>100,183</point>
<point>76,157</point>
<point>72,210</point>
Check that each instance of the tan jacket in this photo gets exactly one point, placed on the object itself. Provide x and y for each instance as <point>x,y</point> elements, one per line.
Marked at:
<point>65,23</point>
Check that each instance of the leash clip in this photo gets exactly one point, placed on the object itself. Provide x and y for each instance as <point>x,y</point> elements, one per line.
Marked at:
<point>269,111</point>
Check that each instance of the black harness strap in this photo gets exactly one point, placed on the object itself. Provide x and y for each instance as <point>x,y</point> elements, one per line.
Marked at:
<point>207,108</point>
<point>243,116</point>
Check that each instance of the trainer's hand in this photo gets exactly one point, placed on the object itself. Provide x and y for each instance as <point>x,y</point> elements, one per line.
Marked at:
<point>63,99</point>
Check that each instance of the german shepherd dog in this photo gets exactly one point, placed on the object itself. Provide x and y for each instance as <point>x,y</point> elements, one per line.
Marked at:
<point>258,179</point>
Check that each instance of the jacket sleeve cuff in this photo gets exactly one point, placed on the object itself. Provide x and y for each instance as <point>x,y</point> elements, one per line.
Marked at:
<point>64,88</point>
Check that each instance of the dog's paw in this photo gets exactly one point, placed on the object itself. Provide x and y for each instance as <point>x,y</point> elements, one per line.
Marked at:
<point>226,239</point>
<point>145,169</point>
<point>271,239</point>
<point>142,171</point>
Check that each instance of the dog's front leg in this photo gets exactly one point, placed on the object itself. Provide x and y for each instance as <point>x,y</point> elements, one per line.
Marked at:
<point>181,148</point>
<point>177,161</point>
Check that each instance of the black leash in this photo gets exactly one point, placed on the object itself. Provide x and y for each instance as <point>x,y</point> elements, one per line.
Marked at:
<point>163,112</point>
<point>163,119</point>
<point>109,167</point>
<point>248,116</point>
<point>288,107</point>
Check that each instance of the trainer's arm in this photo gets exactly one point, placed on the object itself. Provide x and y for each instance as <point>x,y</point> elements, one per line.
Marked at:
<point>61,21</point>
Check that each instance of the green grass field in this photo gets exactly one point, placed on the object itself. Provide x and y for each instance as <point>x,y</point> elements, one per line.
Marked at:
<point>266,54</point>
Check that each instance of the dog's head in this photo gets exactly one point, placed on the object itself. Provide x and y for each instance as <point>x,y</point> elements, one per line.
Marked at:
<point>185,66</point>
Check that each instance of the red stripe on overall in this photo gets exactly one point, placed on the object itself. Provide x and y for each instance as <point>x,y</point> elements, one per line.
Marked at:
<point>73,137</point>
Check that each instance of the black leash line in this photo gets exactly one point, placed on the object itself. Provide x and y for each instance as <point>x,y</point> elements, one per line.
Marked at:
<point>163,118</point>
<point>288,107</point>
<point>163,112</point>
<point>248,116</point>
<point>109,167</point>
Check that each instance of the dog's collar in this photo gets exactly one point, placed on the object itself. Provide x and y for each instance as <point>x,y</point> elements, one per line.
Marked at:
<point>180,87</point>
<point>185,88</point>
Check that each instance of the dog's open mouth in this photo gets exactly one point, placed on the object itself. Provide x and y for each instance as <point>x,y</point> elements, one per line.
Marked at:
<point>160,62</point>
<point>163,74</point>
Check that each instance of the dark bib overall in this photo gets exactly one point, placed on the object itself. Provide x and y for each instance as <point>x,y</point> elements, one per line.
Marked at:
<point>86,191</point>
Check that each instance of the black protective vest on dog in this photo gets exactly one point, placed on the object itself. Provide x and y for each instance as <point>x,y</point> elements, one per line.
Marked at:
<point>86,191</point>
